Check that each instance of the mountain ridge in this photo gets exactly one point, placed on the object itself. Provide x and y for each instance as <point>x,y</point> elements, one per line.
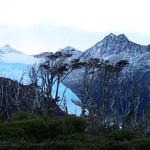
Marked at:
<point>113,44</point>
<point>115,48</point>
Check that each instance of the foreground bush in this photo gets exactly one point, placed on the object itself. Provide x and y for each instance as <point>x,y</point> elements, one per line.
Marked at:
<point>21,116</point>
<point>36,128</point>
<point>123,135</point>
<point>2,118</point>
<point>39,129</point>
<point>10,133</point>
<point>65,134</point>
<point>77,142</point>
<point>56,128</point>
<point>75,124</point>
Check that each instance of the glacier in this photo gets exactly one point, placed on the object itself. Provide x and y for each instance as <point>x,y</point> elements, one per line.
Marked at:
<point>16,70</point>
<point>15,65</point>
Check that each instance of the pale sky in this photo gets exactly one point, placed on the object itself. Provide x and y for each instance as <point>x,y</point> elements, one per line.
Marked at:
<point>35,26</point>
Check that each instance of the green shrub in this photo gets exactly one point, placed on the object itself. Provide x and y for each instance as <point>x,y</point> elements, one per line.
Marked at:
<point>21,116</point>
<point>37,146</point>
<point>35,128</point>
<point>2,118</point>
<point>10,132</point>
<point>141,144</point>
<point>123,135</point>
<point>56,128</point>
<point>72,137</point>
<point>75,124</point>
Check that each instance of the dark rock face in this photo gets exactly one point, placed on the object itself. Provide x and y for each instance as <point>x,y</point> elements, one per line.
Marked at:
<point>15,97</point>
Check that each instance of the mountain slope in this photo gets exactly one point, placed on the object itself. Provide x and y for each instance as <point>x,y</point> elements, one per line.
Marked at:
<point>115,48</point>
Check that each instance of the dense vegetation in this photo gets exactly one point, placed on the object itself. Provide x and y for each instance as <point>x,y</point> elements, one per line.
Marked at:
<point>24,131</point>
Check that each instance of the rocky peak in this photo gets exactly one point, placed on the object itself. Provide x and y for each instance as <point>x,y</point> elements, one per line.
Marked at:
<point>122,37</point>
<point>67,49</point>
<point>75,53</point>
<point>112,45</point>
<point>110,37</point>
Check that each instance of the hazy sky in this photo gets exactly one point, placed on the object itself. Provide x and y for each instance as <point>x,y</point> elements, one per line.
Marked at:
<point>34,26</point>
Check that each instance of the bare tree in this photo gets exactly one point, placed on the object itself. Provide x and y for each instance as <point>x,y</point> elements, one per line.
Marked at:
<point>133,94</point>
<point>15,97</point>
<point>100,85</point>
<point>48,76</point>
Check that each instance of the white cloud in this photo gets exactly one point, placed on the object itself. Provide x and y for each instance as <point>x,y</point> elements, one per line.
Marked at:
<point>42,22</point>
<point>89,15</point>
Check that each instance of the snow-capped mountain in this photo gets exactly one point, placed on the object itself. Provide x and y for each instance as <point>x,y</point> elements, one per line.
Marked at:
<point>115,48</point>
<point>14,64</point>
<point>7,49</point>
<point>10,55</point>
<point>75,53</point>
